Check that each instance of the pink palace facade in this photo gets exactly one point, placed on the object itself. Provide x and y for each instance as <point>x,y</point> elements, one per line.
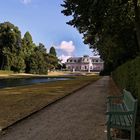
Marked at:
<point>84,63</point>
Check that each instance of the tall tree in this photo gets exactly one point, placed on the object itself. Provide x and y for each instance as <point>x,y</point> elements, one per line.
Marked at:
<point>27,44</point>
<point>10,46</point>
<point>37,61</point>
<point>27,48</point>
<point>106,25</point>
<point>52,59</point>
<point>52,51</point>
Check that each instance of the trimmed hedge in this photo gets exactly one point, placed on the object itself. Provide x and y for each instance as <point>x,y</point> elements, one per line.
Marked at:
<point>128,76</point>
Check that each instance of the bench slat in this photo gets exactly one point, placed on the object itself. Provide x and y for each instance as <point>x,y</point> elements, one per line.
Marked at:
<point>122,115</point>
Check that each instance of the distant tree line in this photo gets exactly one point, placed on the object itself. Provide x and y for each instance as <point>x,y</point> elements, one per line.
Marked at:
<point>22,54</point>
<point>111,27</point>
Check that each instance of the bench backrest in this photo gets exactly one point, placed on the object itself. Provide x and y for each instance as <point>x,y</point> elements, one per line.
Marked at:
<point>129,101</point>
<point>131,104</point>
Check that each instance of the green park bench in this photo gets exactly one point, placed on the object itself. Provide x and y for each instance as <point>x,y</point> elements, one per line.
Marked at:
<point>121,115</point>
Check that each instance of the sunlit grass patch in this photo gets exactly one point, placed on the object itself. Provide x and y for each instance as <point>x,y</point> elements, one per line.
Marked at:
<point>6,72</point>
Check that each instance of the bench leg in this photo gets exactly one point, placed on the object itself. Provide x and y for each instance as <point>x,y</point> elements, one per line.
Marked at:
<point>133,134</point>
<point>108,133</point>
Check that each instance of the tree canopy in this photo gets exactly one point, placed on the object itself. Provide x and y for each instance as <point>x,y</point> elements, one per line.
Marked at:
<point>109,26</point>
<point>52,59</point>
<point>52,51</point>
<point>22,54</point>
<point>10,47</point>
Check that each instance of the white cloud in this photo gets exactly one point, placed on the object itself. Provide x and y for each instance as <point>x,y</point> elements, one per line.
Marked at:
<point>67,47</point>
<point>26,1</point>
<point>65,50</point>
<point>64,58</point>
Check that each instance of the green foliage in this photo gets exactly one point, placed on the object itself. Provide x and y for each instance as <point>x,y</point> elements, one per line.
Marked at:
<point>36,63</point>
<point>52,59</point>
<point>61,66</point>
<point>128,76</point>
<point>108,26</point>
<point>10,46</point>
<point>52,51</point>
<point>22,55</point>
<point>18,64</point>
<point>27,45</point>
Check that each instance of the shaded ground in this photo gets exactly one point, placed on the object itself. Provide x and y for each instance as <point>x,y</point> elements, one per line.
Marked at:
<point>80,116</point>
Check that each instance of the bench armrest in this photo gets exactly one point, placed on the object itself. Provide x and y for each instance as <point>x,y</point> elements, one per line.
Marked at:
<point>115,97</point>
<point>119,113</point>
<point>111,98</point>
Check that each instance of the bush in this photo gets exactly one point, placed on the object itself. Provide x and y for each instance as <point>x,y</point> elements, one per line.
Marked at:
<point>128,76</point>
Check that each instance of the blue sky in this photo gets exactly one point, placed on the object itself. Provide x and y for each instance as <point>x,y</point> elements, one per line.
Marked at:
<point>44,20</point>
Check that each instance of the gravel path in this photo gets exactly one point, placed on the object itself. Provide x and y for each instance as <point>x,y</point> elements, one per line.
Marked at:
<point>79,116</point>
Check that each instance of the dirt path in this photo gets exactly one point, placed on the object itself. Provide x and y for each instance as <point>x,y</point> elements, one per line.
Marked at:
<point>80,116</point>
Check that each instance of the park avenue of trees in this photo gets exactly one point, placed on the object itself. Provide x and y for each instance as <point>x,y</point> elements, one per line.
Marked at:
<point>112,27</point>
<point>21,54</point>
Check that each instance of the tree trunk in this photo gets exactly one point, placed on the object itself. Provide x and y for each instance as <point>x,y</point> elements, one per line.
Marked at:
<point>2,63</point>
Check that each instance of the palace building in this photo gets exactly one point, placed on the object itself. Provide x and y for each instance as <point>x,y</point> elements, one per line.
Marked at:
<point>84,63</point>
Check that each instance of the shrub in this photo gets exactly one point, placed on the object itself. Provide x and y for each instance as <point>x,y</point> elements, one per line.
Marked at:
<point>128,76</point>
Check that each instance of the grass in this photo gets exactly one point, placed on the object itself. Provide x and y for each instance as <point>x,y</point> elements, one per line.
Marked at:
<point>18,102</point>
<point>5,72</point>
